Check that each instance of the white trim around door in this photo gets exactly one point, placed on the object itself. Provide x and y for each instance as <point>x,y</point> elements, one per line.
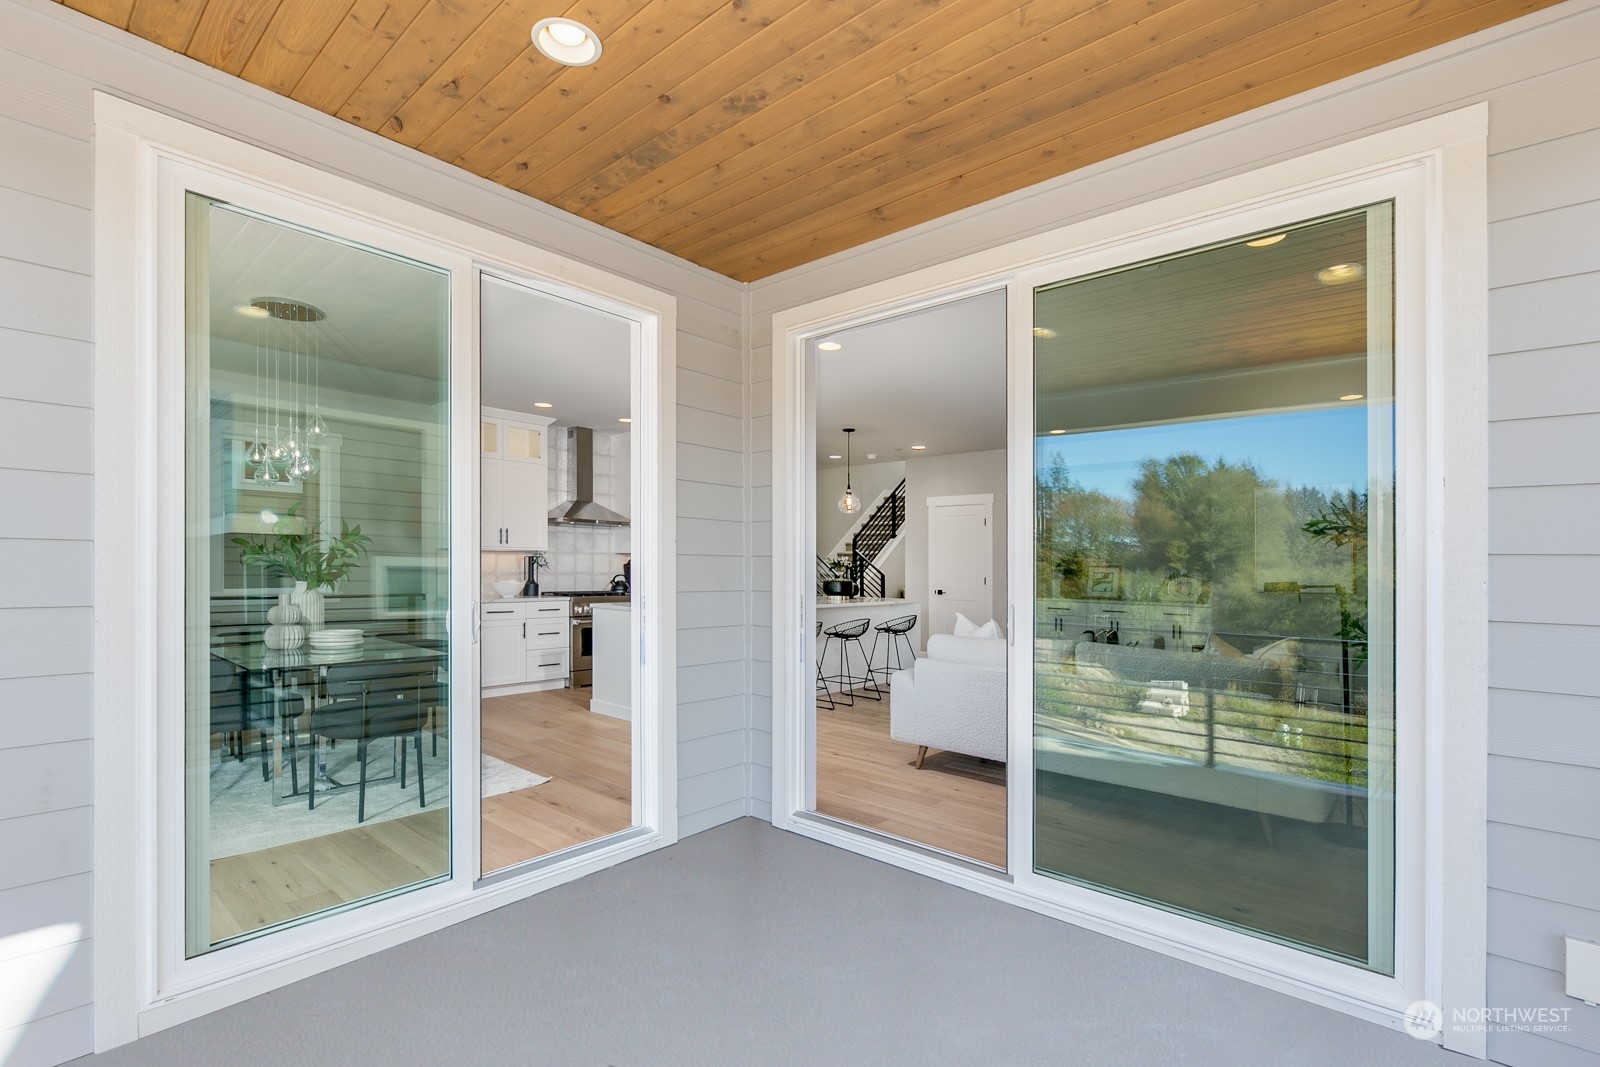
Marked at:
<point>145,161</point>
<point>1434,170</point>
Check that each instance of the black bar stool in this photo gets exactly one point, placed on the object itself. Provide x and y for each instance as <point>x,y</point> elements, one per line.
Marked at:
<point>822,683</point>
<point>848,633</point>
<point>895,628</point>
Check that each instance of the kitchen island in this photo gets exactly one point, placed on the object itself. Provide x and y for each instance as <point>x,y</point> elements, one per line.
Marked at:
<point>615,648</point>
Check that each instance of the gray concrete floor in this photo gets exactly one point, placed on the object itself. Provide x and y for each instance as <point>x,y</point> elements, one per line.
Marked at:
<point>745,945</point>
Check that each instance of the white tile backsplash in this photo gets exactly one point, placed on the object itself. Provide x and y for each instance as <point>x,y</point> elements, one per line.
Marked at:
<point>579,557</point>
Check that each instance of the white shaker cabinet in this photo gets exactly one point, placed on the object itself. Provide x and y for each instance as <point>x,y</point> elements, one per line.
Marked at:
<point>502,645</point>
<point>514,495</point>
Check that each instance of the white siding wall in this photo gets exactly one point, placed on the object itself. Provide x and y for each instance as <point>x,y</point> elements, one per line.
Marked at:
<point>50,61</point>
<point>1541,76</point>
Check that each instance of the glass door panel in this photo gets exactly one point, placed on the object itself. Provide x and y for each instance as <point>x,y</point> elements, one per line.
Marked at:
<point>1214,656</point>
<point>317,492</point>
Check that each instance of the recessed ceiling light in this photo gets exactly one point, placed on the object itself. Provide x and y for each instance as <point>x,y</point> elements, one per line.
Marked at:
<point>1340,273</point>
<point>543,404</point>
<point>1044,333</point>
<point>828,346</point>
<point>1058,431</point>
<point>872,455</point>
<point>1353,396</point>
<point>835,457</point>
<point>565,41</point>
<point>1266,242</point>
<point>919,448</point>
<point>624,420</point>
<point>250,311</point>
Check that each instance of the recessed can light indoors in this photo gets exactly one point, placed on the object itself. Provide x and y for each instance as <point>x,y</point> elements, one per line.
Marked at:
<point>1266,242</point>
<point>1340,273</point>
<point>543,404</point>
<point>1044,333</point>
<point>1353,396</point>
<point>835,457</point>
<point>624,420</point>
<point>828,346</point>
<point>567,42</point>
<point>1057,431</point>
<point>919,448</point>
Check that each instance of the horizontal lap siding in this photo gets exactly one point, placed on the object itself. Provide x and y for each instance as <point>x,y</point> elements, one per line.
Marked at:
<point>1543,88</point>
<point>50,62</point>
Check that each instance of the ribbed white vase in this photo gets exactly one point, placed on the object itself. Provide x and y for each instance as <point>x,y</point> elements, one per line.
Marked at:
<point>310,603</point>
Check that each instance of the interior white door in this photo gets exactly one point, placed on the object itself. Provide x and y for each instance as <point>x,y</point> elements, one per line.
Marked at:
<point>960,559</point>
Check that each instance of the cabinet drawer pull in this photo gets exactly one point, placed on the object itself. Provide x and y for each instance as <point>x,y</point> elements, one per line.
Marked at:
<point>549,633</point>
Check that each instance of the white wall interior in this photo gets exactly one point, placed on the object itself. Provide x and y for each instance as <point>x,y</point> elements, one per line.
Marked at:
<point>50,64</point>
<point>1541,77</point>
<point>967,474</point>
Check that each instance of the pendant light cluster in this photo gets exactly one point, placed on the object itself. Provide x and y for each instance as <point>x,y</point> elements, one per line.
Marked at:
<point>288,410</point>
<point>849,503</point>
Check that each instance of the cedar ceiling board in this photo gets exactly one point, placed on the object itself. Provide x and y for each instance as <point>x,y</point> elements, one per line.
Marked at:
<point>436,32</point>
<point>1008,85</point>
<point>228,32</point>
<point>949,184</point>
<point>955,39</point>
<point>501,40</point>
<point>298,31</point>
<point>533,95</point>
<point>841,52</point>
<point>624,115</point>
<point>1096,79</point>
<point>168,23</point>
<point>925,202</point>
<point>113,12</point>
<point>354,49</point>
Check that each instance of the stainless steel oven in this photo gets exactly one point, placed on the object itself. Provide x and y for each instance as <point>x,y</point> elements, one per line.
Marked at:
<point>582,649</point>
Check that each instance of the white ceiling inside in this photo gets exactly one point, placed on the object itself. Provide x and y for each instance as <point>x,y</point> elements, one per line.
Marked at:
<point>539,348</point>
<point>935,377</point>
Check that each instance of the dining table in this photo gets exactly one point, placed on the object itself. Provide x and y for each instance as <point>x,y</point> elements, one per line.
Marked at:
<point>294,677</point>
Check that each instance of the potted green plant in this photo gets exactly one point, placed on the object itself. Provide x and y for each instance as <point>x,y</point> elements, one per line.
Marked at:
<point>297,550</point>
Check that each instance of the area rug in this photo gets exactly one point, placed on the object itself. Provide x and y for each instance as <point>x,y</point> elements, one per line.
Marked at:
<point>244,819</point>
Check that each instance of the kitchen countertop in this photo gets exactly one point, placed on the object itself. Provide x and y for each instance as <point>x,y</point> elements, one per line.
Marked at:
<point>610,607</point>
<point>859,602</point>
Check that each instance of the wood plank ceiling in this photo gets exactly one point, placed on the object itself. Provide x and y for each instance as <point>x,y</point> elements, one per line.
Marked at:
<point>751,136</point>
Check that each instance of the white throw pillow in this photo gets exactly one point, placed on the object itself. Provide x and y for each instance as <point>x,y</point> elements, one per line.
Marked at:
<point>965,627</point>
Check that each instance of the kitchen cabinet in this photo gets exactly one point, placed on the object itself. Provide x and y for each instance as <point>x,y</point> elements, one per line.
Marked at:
<point>524,644</point>
<point>514,505</point>
<point>502,646</point>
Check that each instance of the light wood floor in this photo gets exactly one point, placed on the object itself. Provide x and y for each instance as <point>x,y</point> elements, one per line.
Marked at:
<point>587,756</point>
<point>553,733</point>
<point>277,884</point>
<point>956,803</point>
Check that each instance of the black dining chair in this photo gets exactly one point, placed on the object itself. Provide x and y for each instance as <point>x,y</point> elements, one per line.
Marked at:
<point>237,707</point>
<point>368,702</point>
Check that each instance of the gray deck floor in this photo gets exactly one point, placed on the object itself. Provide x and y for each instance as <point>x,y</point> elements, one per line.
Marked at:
<point>745,945</point>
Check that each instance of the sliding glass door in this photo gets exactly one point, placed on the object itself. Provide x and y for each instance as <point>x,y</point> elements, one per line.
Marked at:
<point>1214,663</point>
<point>317,531</point>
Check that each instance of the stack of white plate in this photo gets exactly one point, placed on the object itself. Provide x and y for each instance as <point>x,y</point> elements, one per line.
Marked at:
<point>335,640</point>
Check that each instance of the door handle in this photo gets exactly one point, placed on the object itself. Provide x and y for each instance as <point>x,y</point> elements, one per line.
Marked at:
<point>938,592</point>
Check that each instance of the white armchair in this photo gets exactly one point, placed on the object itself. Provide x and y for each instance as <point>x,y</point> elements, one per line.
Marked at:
<point>954,699</point>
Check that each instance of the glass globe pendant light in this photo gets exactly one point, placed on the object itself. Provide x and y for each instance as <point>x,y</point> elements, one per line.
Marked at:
<point>849,503</point>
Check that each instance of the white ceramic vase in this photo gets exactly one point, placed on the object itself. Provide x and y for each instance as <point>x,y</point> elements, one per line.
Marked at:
<point>310,603</point>
<point>284,613</point>
<point>284,636</point>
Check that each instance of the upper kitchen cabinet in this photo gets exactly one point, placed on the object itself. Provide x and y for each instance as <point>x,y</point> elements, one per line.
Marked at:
<point>514,503</point>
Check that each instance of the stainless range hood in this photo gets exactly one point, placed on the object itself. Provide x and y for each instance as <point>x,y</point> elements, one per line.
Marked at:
<point>581,510</point>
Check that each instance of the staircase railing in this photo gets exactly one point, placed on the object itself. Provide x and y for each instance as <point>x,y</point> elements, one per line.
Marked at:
<point>869,580</point>
<point>882,526</point>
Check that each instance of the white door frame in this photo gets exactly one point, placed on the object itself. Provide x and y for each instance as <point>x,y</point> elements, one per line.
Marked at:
<point>144,160</point>
<point>967,500</point>
<point>1435,170</point>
